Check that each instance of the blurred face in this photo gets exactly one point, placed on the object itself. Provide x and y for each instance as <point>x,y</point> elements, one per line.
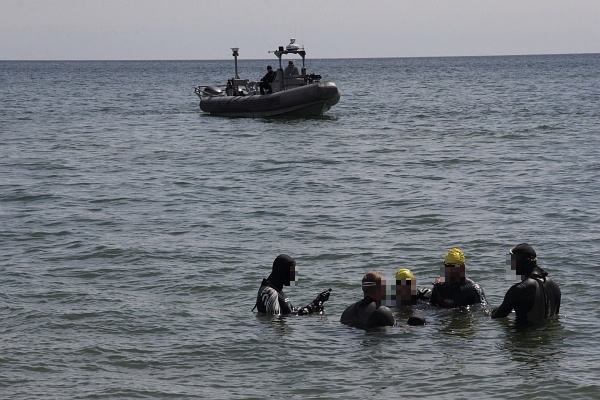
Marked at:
<point>454,273</point>
<point>511,266</point>
<point>380,289</point>
<point>292,274</point>
<point>511,261</point>
<point>382,292</point>
<point>406,289</point>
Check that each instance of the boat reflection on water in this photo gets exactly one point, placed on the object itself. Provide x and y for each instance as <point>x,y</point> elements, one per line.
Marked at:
<point>302,95</point>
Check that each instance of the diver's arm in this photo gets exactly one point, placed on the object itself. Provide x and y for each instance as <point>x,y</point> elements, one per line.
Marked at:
<point>316,305</point>
<point>424,294</point>
<point>285,304</point>
<point>479,294</point>
<point>507,305</point>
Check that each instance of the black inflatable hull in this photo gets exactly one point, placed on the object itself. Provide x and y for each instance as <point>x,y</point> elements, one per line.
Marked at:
<point>304,101</point>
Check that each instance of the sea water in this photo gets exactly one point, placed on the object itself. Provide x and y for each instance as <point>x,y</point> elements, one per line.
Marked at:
<point>136,230</point>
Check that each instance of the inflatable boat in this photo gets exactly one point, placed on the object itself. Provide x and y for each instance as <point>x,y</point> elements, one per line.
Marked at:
<point>300,95</point>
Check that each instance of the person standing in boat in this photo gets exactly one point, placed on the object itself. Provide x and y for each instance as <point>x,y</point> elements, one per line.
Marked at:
<point>267,80</point>
<point>291,70</point>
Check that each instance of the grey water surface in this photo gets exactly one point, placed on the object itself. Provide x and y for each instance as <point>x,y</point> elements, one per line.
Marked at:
<point>136,230</point>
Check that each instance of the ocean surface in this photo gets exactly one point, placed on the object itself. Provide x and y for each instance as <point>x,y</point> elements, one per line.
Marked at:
<point>135,230</point>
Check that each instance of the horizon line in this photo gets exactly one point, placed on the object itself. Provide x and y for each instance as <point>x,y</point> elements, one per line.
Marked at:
<point>316,58</point>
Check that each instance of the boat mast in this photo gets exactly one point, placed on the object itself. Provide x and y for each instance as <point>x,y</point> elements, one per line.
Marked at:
<point>235,56</point>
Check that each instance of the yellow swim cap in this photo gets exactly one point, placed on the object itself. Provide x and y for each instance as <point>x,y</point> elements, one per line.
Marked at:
<point>403,274</point>
<point>455,256</point>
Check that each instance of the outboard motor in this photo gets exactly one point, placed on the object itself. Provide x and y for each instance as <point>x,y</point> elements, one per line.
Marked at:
<point>213,91</point>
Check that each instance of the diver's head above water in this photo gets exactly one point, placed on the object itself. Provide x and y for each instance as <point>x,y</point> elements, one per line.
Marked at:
<point>406,286</point>
<point>373,286</point>
<point>454,266</point>
<point>523,260</point>
<point>284,271</point>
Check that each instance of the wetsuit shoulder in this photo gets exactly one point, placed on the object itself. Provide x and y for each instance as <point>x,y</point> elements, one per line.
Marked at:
<point>382,316</point>
<point>347,316</point>
<point>350,314</point>
<point>476,294</point>
<point>365,313</point>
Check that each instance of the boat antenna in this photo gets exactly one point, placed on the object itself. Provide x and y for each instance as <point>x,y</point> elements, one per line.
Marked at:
<point>235,56</point>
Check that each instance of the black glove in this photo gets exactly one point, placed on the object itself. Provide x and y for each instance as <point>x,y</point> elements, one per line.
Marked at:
<point>323,296</point>
<point>317,304</point>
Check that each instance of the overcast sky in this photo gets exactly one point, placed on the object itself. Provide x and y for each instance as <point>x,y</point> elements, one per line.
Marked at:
<point>206,29</point>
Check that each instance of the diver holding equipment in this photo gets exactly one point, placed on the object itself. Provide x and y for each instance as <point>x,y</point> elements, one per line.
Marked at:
<point>272,300</point>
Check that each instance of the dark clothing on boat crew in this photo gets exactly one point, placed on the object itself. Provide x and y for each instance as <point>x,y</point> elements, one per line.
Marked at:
<point>534,299</point>
<point>449,295</point>
<point>291,70</point>
<point>366,313</point>
<point>271,299</point>
<point>267,80</point>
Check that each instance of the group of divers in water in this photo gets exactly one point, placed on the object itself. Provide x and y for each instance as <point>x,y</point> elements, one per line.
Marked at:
<point>535,299</point>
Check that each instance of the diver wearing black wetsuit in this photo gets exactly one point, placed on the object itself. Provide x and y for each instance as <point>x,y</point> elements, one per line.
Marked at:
<point>271,299</point>
<point>456,294</point>
<point>457,290</point>
<point>369,312</point>
<point>536,297</point>
<point>366,313</point>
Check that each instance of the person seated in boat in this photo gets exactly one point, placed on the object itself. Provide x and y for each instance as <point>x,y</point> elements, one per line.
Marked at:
<point>267,80</point>
<point>369,312</point>
<point>291,70</point>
